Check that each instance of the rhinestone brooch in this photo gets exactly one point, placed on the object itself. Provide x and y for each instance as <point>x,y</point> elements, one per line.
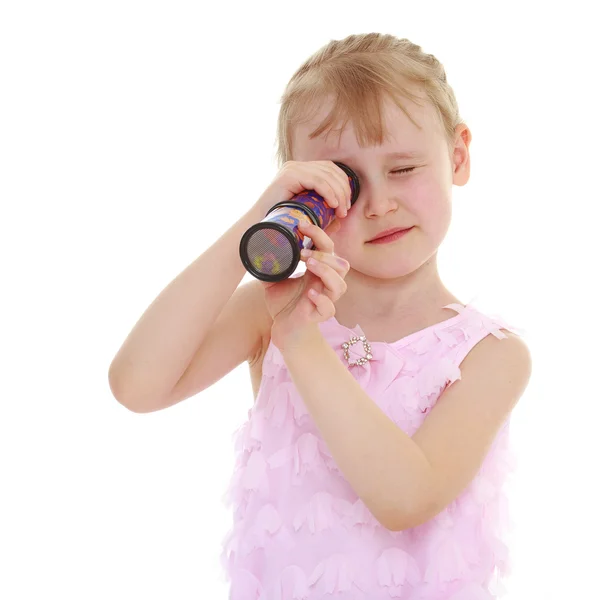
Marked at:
<point>361,361</point>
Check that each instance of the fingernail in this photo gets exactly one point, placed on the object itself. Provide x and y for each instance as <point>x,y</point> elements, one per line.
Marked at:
<point>305,252</point>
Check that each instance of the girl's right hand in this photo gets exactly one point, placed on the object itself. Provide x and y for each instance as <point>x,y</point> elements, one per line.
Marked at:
<point>323,176</point>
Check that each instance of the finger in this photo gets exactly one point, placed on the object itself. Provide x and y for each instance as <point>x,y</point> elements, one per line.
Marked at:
<point>344,184</point>
<point>334,284</point>
<point>334,199</point>
<point>335,183</point>
<point>333,227</point>
<point>339,182</point>
<point>325,307</point>
<point>325,187</point>
<point>339,264</point>
<point>320,238</point>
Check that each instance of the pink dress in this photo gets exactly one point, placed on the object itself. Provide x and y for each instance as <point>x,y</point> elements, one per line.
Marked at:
<point>299,530</point>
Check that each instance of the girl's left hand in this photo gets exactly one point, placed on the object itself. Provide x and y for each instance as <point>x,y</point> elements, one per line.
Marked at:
<point>297,304</point>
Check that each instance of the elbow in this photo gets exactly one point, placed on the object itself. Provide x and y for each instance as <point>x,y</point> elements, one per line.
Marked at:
<point>116,388</point>
<point>400,520</point>
<point>115,383</point>
<point>420,508</point>
<point>407,520</point>
<point>141,403</point>
<point>122,396</point>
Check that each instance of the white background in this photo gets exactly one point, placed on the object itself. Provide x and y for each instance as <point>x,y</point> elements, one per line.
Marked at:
<point>132,135</point>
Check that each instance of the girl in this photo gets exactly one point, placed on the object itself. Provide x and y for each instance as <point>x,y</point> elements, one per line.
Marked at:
<point>371,464</point>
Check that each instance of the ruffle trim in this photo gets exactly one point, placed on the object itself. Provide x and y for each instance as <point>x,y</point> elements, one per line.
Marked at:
<point>394,573</point>
<point>406,401</point>
<point>332,575</point>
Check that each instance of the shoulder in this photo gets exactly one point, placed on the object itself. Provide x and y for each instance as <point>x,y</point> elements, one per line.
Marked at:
<point>494,341</point>
<point>500,362</point>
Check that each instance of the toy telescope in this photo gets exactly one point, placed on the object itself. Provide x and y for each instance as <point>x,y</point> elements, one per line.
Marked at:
<point>270,250</point>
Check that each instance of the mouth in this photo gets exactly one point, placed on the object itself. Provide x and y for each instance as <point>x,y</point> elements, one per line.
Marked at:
<point>389,233</point>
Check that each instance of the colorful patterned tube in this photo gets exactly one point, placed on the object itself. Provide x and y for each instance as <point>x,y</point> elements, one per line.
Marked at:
<point>270,250</point>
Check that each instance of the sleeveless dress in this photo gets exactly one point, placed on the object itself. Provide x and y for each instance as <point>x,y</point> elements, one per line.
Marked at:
<point>299,530</point>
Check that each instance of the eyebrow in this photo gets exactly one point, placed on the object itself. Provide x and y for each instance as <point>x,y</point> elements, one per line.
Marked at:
<point>392,155</point>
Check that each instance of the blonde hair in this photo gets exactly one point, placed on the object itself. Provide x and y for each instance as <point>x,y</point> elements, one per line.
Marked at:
<point>359,72</point>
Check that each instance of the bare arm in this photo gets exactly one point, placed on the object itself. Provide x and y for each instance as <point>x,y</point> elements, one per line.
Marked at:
<point>241,333</point>
<point>191,335</point>
<point>167,337</point>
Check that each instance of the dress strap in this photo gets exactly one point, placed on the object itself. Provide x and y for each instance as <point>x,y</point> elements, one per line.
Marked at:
<point>476,327</point>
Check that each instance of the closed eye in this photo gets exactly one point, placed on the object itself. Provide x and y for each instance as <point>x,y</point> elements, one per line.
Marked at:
<point>408,170</point>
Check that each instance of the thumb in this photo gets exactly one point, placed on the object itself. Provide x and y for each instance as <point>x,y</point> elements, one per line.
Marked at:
<point>334,226</point>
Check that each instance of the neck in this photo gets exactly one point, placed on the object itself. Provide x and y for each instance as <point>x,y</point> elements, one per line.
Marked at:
<point>410,297</point>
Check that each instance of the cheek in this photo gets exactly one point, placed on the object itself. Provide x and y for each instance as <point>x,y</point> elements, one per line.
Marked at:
<point>421,197</point>
<point>429,203</point>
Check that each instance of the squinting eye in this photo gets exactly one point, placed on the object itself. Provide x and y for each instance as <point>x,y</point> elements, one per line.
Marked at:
<point>404,170</point>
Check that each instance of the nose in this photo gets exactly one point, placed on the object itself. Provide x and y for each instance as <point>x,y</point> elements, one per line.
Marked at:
<point>376,200</point>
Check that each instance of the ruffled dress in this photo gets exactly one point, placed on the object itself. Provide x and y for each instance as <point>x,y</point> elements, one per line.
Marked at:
<point>299,530</point>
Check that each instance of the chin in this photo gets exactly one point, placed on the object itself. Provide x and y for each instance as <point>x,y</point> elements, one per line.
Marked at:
<point>393,264</point>
<point>390,270</point>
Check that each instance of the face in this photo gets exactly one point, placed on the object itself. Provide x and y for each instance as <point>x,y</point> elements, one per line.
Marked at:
<point>394,192</point>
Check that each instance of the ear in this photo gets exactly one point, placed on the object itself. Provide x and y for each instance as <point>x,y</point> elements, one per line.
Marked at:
<point>461,160</point>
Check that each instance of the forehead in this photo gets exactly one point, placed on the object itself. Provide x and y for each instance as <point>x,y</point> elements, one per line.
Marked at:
<point>402,134</point>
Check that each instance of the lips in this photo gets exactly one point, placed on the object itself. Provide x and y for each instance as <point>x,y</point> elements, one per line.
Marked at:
<point>388,232</point>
